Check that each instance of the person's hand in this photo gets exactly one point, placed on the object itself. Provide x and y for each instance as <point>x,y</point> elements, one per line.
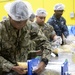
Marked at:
<point>58,40</point>
<point>19,70</point>
<point>41,67</point>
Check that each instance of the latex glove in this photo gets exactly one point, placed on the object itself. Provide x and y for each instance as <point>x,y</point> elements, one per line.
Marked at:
<point>41,67</point>
<point>57,40</point>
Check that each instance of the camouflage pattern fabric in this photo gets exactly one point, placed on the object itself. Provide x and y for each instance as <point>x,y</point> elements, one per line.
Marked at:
<point>16,44</point>
<point>47,30</point>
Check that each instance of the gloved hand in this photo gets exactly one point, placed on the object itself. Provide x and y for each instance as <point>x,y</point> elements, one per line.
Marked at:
<point>57,40</point>
<point>55,44</point>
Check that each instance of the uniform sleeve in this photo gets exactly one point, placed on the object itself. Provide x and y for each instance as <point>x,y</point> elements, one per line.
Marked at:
<point>52,32</point>
<point>65,29</point>
<point>43,44</point>
<point>4,64</point>
<point>51,23</point>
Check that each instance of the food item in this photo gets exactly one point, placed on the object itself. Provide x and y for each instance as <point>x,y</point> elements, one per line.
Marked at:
<point>66,48</point>
<point>23,65</point>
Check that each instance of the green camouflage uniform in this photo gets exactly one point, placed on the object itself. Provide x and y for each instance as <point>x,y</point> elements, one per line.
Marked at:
<point>48,32</point>
<point>15,44</point>
<point>47,29</point>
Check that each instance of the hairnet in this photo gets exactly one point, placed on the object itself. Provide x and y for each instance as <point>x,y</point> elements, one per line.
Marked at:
<point>59,6</point>
<point>41,12</point>
<point>30,10</point>
<point>18,10</point>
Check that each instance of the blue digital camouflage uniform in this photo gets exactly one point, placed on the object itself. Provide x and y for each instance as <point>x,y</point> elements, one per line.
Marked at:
<point>59,26</point>
<point>15,44</point>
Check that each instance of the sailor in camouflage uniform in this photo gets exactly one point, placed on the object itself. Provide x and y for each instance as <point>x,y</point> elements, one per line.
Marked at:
<point>16,40</point>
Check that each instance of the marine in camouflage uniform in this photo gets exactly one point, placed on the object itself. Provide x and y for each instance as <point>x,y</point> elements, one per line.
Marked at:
<point>47,29</point>
<point>16,40</point>
<point>40,22</point>
<point>15,45</point>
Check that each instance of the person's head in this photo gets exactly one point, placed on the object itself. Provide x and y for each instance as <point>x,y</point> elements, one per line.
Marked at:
<point>32,17</point>
<point>40,16</point>
<point>18,13</point>
<point>58,9</point>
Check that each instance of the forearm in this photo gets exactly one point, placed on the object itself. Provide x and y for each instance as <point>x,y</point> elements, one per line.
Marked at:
<point>5,65</point>
<point>47,49</point>
<point>46,54</point>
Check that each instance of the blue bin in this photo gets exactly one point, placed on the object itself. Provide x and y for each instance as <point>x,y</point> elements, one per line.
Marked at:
<point>71,30</point>
<point>32,63</point>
